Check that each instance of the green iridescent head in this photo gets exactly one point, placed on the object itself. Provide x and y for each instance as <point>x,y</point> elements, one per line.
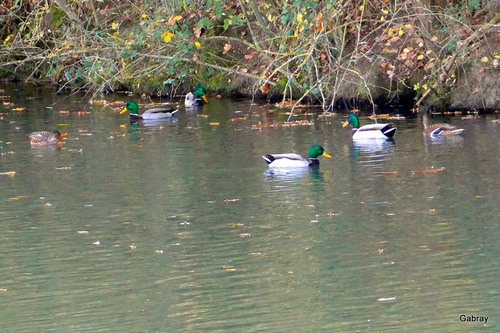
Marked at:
<point>316,151</point>
<point>353,120</point>
<point>199,92</point>
<point>132,107</point>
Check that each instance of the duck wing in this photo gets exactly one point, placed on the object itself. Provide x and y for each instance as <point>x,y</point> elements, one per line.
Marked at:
<point>159,113</point>
<point>40,136</point>
<point>443,129</point>
<point>291,156</point>
<point>387,130</point>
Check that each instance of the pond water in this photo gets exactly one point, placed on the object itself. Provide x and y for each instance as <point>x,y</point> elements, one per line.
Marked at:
<point>179,226</point>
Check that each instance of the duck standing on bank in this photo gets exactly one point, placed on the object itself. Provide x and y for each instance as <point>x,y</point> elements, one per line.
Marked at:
<point>151,114</point>
<point>293,160</point>
<point>198,98</point>
<point>371,131</point>
<point>45,138</point>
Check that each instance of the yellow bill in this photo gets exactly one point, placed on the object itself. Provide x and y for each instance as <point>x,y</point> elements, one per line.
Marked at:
<point>327,155</point>
<point>345,123</point>
<point>123,110</point>
<point>205,99</point>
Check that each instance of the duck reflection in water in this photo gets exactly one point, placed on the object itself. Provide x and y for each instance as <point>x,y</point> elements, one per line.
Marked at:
<point>372,153</point>
<point>295,175</point>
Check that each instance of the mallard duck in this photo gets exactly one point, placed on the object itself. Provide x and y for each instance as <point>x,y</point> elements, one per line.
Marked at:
<point>157,113</point>
<point>293,160</point>
<point>197,98</point>
<point>46,138</point>
<point>440,130</point>
<point>371,131</point>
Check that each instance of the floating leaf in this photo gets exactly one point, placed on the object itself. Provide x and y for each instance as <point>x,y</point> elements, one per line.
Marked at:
<point>484,59</point>
<point>384,299</point>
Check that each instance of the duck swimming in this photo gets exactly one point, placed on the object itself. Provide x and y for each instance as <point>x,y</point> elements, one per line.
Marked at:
<point>46,138</point>
<point>293,160</point>
<point>371,131</point>
<point>157,113</point>
<point>197,98</point>
<point>440,130</point>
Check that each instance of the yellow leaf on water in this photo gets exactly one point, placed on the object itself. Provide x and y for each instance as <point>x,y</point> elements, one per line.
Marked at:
<point>197,44</point>
<point>434,38</point>
<point>484,59</point>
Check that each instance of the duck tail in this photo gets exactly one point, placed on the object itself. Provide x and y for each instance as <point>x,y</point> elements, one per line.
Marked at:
<point>268,158</point>
<point>389,130</point>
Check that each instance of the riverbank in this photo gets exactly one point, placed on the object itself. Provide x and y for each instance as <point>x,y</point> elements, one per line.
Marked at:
<point>408,54</point>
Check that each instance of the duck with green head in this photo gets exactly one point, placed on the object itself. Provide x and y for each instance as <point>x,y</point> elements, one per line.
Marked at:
<point>198,98</point>
<point>293,160</point>
<point>151,114</point>
<point>371,131</point>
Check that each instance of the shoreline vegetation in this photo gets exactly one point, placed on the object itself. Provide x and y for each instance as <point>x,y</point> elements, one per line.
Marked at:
<point>439,54</point>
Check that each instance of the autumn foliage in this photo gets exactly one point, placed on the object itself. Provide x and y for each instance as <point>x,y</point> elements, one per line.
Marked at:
<point>322,51</point>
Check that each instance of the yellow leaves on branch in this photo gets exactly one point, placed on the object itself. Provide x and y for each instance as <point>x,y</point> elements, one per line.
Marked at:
<point>174,19</point>
<point>167,36</point>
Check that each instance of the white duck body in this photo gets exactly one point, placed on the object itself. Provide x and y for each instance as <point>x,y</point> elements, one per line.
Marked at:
<point>370,131</point>
<point>158,113</point>
<point>288,161</point>
<point>151,114</point>
<point>292,160</point>
<point>373,131</point>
